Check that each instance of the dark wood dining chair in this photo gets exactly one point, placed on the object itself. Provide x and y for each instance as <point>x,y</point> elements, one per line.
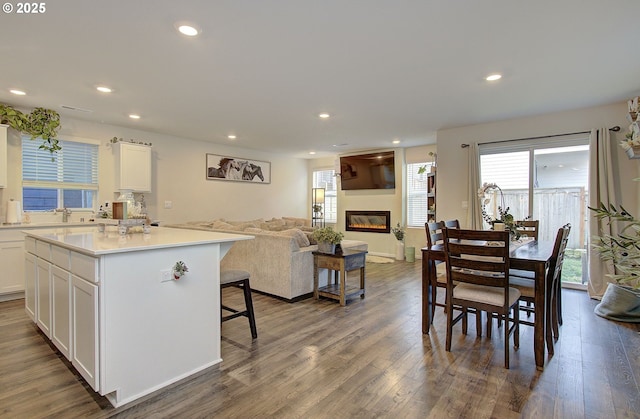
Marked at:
<point>439,275</point>
<point>478,260</point>
<point>438,269</point>
<point>452,224</point>
<point>553,285</point>
<point>529,228</point>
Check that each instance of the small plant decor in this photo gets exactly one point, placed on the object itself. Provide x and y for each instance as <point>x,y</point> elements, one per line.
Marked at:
<point>179,269</point>
<point>328,235</point>
<point>423,169</point>
<point>398,231</point>
<point>40,123</point>
<point>504,216</point>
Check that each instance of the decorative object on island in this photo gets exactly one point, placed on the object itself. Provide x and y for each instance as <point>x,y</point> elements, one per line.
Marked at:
<point>179,269</point>
<point>631,142</point>
<point>40,123</point>
<point>621,300</point>
<point>237,169</point>
<point>398,232</point>
<point>327,239</point>
<point>317,197</point>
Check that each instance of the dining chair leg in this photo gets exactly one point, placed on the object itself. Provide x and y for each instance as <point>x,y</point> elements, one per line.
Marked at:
<point>465,321</point>
<point>479,323</point>
<point>489,324</point>
<point>516,326</point>
<point>506,340</point>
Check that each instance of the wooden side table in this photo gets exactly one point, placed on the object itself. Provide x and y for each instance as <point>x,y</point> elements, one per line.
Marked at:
<point>338,289</point>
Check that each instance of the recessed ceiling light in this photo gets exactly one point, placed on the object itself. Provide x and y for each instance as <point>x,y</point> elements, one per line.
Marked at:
<point>134,116</point>
<point>312,152</point>
<point>324,115</point>
<point>231,137</point>
<point>494,77</point>
<point>187,28</point>
<point>396,141</point>
<point>104,89</point>
<point>18,92</point>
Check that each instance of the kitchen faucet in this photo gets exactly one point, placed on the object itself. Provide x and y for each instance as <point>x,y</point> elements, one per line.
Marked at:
<point>66,212</point>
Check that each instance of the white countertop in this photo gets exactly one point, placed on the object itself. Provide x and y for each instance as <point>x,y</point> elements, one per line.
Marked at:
<point>25,226</point>
<point>92,242</point>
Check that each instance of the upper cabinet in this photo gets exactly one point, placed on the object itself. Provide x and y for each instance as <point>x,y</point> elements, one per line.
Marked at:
<point>3,155</point>
<point>133,171</point>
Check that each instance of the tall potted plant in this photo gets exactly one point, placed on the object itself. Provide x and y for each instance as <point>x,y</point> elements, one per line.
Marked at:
<point>40,123</point>
<point>398,232</point>
<point>621,300</point>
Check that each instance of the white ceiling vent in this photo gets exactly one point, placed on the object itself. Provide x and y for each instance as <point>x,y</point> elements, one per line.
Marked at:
<point>73,108</point>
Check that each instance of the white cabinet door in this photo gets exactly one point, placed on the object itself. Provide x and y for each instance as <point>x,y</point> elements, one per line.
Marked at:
<point>84,333</point>
<point>134,167</point>
<point>30,281</point>
<point>43,300</point>
<point>61,310</point>
<point>12,278</point>
<point>3,156</point>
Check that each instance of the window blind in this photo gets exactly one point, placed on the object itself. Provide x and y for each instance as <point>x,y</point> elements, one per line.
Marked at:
<point>73,167</point>
<point>417,194</point>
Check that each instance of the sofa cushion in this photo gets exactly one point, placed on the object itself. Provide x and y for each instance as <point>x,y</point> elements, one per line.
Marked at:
<point>299,236</point>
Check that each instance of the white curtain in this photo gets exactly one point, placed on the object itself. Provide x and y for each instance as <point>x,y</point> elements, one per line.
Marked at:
<point>601,191</point>
<point>474,211</point>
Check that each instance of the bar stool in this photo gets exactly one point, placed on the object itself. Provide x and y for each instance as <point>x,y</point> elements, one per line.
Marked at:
<point>239,279</point>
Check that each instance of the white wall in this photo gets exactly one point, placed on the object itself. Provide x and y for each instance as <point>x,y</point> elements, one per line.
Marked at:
<point>371,200</point>
<point>453,174</point>
<point>179,176</point>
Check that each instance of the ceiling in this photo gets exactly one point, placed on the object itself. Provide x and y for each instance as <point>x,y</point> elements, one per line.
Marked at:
<point>264,70</point>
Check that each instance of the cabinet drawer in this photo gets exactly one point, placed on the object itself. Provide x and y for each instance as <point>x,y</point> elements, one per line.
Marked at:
<point>30,245</point>
<point>60,257</point>
<point>85,267</point>
<point>43,250</point>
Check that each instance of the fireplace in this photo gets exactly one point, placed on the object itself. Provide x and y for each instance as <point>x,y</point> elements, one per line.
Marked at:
<point>368,221</point>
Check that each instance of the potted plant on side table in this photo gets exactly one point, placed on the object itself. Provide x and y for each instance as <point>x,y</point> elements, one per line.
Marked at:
<point>327,239</point>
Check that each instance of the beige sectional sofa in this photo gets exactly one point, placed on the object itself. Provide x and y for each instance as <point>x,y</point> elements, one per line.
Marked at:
<point>279,259</point>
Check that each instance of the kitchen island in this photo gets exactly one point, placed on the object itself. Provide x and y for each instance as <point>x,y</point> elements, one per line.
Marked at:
<point>111,305</point>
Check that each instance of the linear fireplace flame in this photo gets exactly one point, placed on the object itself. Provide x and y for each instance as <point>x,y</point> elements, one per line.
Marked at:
<point>368,221</point>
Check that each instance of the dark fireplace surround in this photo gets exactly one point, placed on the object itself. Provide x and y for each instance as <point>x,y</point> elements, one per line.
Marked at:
<point>368,221</point>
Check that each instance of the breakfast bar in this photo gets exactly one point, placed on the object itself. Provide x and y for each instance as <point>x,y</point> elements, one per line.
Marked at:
<point>112,305</point>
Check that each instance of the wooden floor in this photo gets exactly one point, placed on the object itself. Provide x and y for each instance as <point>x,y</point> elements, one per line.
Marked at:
<point>315,359</point>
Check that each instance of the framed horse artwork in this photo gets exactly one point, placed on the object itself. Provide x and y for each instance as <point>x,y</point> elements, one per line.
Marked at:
<point>237,169</point>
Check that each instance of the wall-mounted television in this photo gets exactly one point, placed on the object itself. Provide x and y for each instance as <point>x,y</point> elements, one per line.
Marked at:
<point>368,171</point>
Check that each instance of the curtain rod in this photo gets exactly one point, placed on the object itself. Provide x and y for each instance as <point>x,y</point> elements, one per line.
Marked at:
<point>614,129</point>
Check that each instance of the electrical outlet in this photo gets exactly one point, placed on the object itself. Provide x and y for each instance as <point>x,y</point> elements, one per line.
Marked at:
<point>165,275</point>
<point>168,204</point>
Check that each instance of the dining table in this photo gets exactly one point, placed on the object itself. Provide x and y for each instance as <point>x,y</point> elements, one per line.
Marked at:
<point>532,255</point>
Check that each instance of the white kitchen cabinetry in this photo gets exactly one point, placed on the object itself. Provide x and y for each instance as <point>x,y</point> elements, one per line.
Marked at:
<point>133,169</point>
<point>3,155</point>
<point>84,324</point>
<point>61,296</point>
<point>43,299</point>
<point>11,251</point>
<point>30,284</point>
<point>61,310</point>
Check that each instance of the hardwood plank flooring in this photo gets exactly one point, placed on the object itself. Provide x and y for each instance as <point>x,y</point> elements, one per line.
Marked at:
<point>315,359</point>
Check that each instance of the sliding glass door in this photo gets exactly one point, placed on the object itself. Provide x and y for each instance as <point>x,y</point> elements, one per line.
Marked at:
<point>547,181</point>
